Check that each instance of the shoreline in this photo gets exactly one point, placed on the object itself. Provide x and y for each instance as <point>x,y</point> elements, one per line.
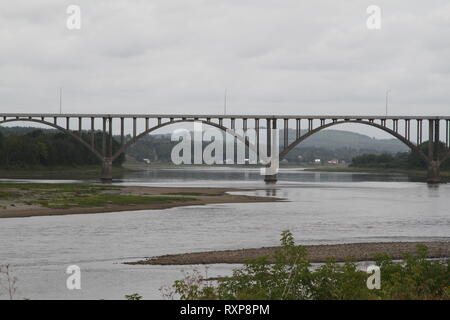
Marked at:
<point>419,173</point>
<point>316,253</point>
<point>82,172</point>
<point>170,197</point>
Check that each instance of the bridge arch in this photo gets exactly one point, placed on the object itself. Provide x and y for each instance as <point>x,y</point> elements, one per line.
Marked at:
<point>125,146</point>
<point>68,132</point>
<point>411,145</point>
<point>445,157</point>
<point>209,123</point>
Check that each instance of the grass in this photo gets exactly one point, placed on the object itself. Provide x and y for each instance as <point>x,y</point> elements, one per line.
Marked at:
<point>194,194</point>
<point>65,172</point>
<point>106,199</point>
<point>64,187</point>
<point>70,195</point>
<point>7,195</point>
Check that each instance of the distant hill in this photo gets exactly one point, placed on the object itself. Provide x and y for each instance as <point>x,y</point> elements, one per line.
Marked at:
<point>337,139</point>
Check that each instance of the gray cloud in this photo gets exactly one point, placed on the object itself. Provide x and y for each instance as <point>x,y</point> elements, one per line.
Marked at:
<point>178,56</point>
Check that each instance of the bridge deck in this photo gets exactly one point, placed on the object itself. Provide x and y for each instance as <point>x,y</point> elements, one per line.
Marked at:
<point>216,116</point>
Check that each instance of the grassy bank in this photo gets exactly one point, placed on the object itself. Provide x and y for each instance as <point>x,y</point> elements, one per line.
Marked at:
<point>65,196</point>
<point>41,199</point>
<point>58,172</point>
<point>99,200</point>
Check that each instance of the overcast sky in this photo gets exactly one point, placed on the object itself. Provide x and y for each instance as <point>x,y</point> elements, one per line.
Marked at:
<point>275,57</point>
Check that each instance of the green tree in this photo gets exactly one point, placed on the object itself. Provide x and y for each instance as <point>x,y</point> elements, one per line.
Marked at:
<point>49,148</point>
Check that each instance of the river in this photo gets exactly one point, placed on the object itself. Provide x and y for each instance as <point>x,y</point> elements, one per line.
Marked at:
<point>321,208</point>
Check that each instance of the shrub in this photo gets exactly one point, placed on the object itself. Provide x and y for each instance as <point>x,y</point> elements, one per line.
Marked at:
<point>290,276</point>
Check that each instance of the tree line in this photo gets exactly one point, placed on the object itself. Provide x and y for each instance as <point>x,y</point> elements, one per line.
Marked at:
<point>27,147</point>
<point>402,160</point>
<point>48,148</point>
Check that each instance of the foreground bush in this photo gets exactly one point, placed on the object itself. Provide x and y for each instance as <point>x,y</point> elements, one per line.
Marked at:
<point>289,276</point>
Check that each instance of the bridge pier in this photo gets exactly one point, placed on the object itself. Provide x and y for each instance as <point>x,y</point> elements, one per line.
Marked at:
<point>434,164</point>
<point>434,172</point>
<point>106,176</point>
<point>270,179</point>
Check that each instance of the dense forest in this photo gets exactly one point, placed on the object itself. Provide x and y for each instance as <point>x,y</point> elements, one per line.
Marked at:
<point>402,160</point>
<point>34,148</point>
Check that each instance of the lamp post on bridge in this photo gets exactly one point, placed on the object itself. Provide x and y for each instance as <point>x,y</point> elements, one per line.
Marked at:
<point>225,102</point>
<point>387,100</point>
<point>60,100</point>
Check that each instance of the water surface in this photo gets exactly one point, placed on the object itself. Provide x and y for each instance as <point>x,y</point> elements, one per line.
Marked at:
<point>321,208</point>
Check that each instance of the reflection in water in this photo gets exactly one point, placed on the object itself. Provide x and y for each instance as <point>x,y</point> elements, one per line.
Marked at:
<point>271,192</point>
<point>322,208</point>
<point>246,174</point>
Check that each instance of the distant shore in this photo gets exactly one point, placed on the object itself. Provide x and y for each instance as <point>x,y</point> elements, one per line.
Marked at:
<point>83,172</point>
<point>39,199</point>
<point>412,172</point>
<point>93,171</point>
<point>316,253</point>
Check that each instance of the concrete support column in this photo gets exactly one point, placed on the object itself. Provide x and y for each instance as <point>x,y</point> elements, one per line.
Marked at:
<point>433,153</point>
<point>110,143</point>
<point>104,138</point>
<point>434,176</point>
<point>271,179</point>
<point>257,140</point>
<point>122,132</point>
<point>92,132</point>
<point>286,133</point>
<point>106,176</point>
<point>431,140</point>
<point>437,139</point>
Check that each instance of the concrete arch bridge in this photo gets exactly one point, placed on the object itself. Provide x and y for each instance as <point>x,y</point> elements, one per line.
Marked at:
<point>411,130</point>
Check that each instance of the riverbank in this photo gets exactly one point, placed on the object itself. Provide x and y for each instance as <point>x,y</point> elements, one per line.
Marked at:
<point>316,253</point>
<point>411,172</point>
<point>87,172</point>
<point>42,199</point>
